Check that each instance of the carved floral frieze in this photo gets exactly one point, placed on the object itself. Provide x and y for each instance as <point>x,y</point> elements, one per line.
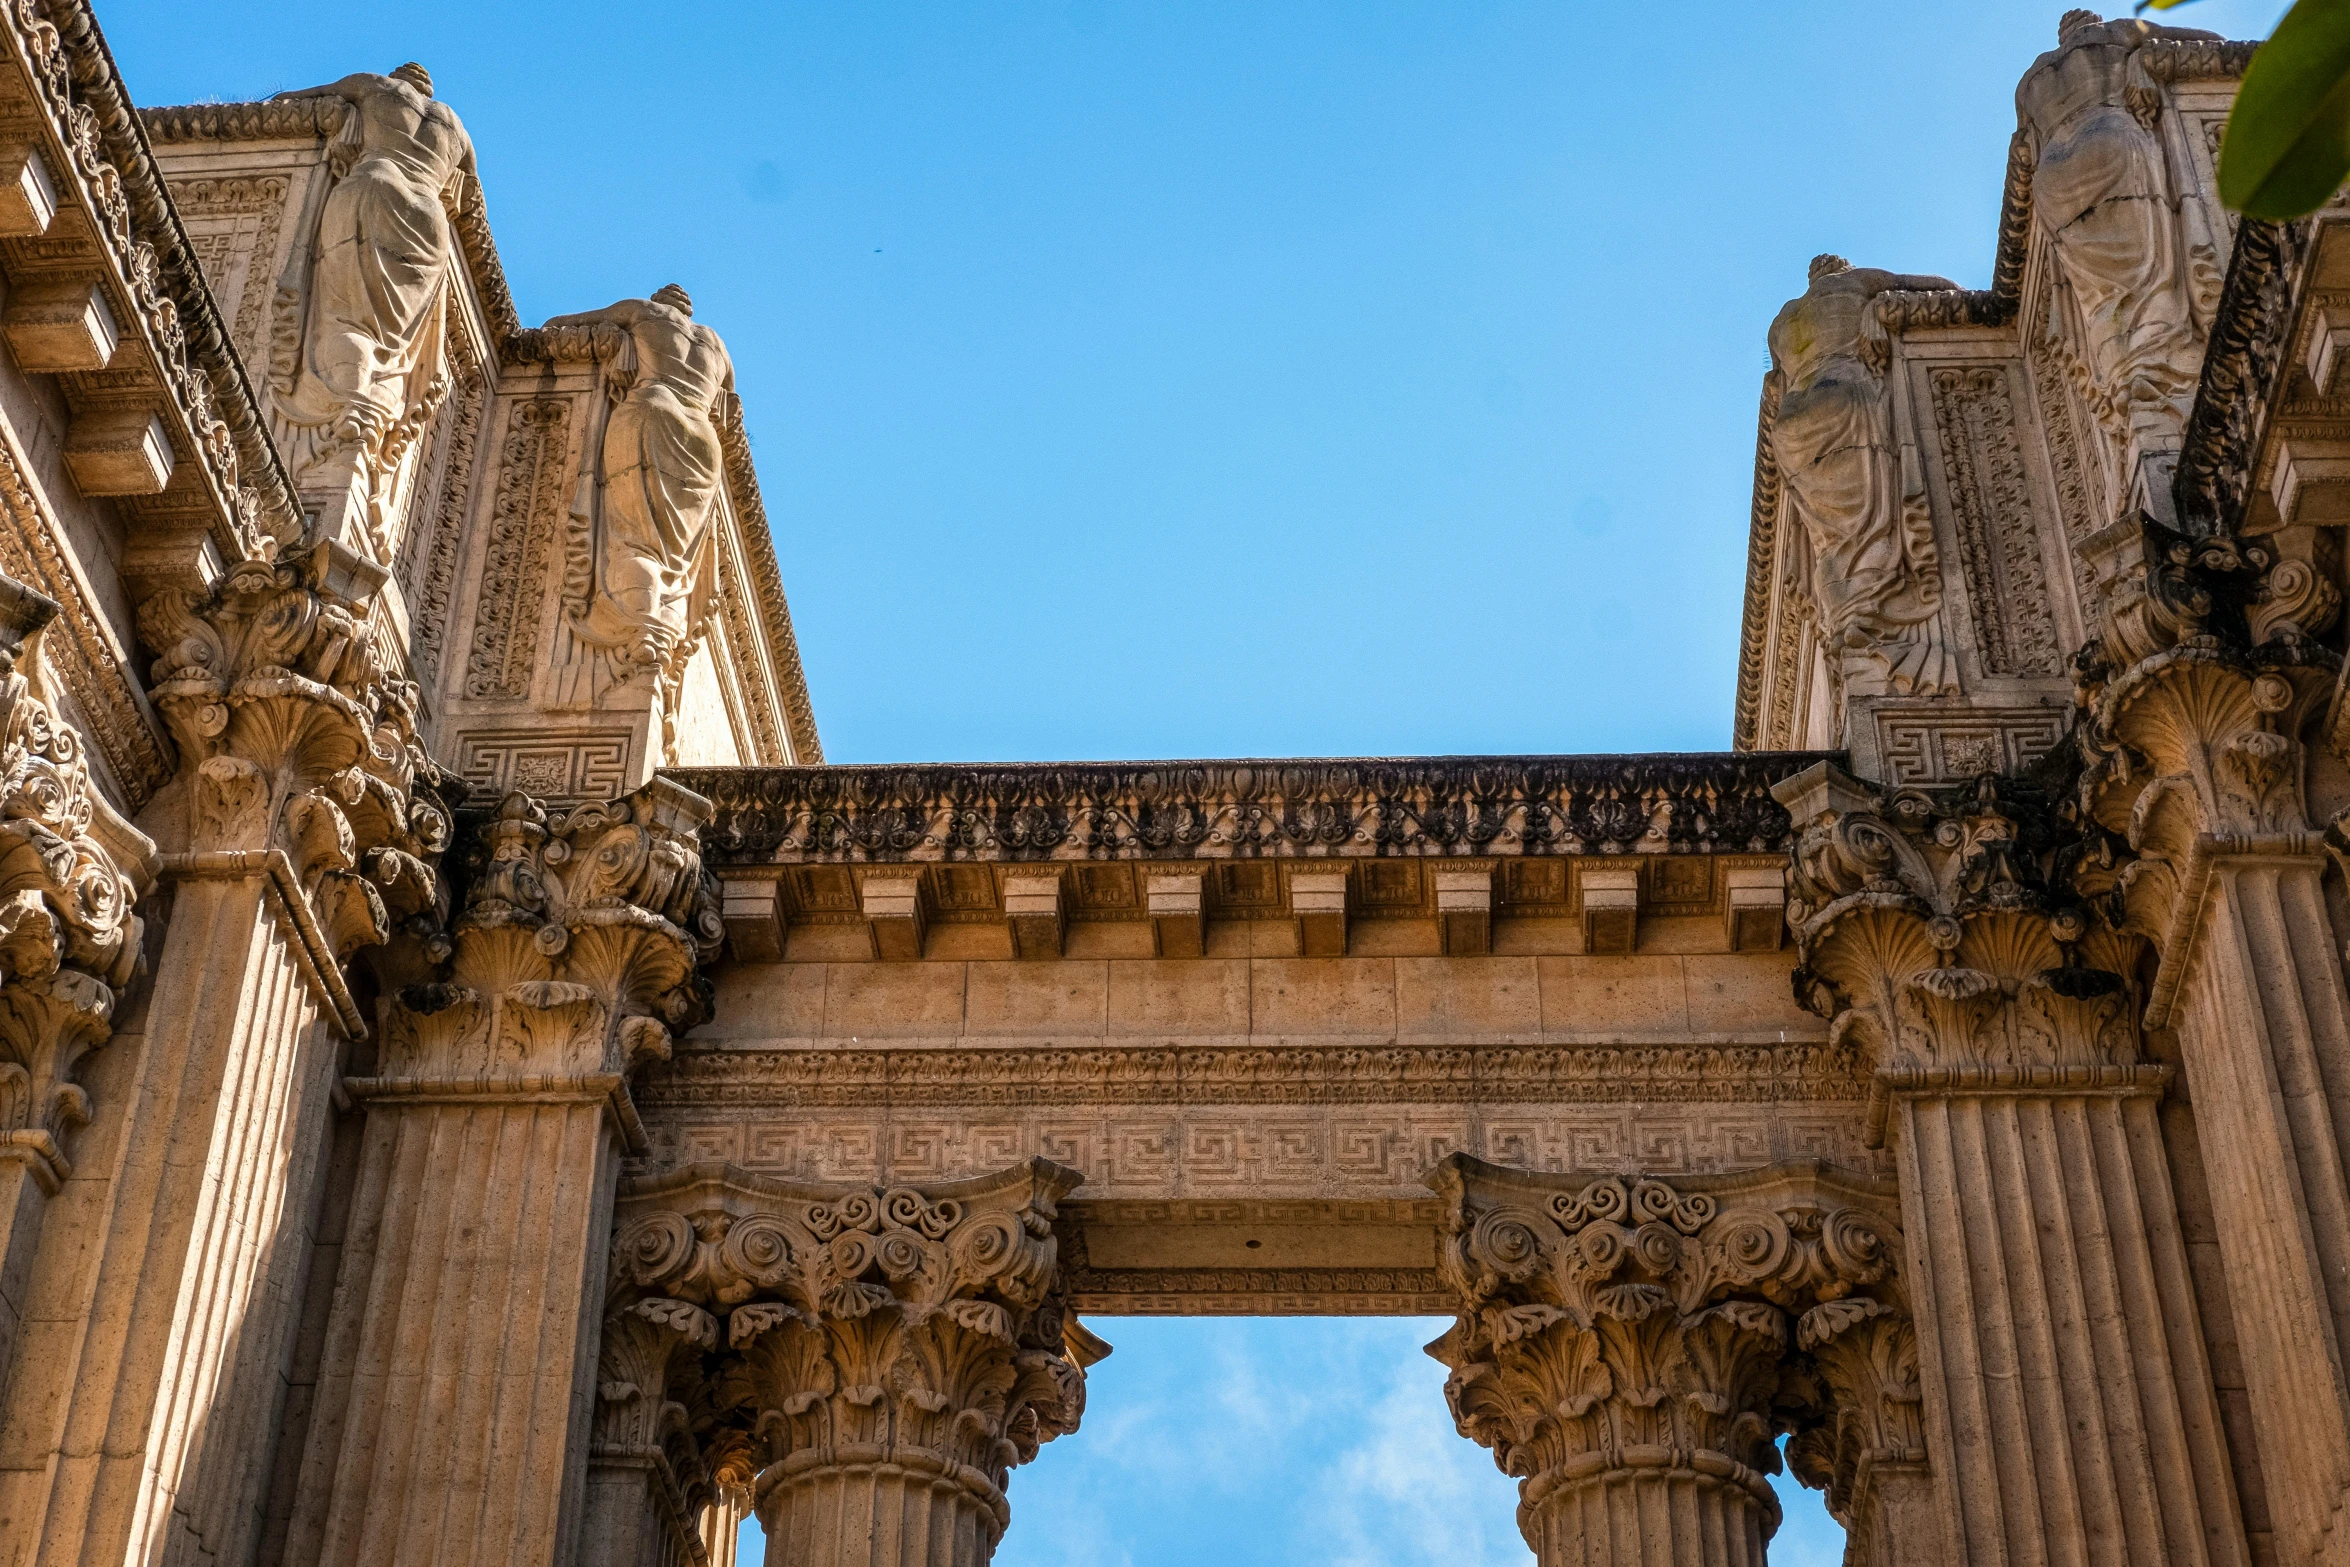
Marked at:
<point>1568,805</point>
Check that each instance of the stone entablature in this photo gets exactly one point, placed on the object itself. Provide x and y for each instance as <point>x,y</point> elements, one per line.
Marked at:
<point>558,1169</point>
<point>1459,856</point>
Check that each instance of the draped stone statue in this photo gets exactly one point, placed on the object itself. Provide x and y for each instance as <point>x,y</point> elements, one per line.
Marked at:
<point>365,371</point>
<point>648,490</point>
<point>1868,534</point>
<point>2135,260</point>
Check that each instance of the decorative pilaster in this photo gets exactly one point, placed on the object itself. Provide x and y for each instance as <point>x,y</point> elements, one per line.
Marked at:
<point>2197,742</point>
<point>151,1387</point>
<point>2069,1406</point>
<point>459,1386</point>
<point>69,943</point>
<point>891,1353</point>
<point>1632,1352</point>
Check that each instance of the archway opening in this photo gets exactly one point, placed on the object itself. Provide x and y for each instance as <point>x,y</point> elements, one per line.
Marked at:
<point>1251,1441</point>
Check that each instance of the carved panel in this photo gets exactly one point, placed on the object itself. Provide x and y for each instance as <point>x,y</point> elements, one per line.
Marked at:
<point>1991,506</point>
<point>2081,507</point>
<point>1931,747</point>
<point>533,473</point>
<point>232,223</point>
<point>562,768</point>
<point>436,523</point>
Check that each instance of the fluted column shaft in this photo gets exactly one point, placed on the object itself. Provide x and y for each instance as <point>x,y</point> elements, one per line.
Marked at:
<point>147,1385</point>
<point>458,1386</point>
<point>2264,1034</point>
<point>452,1414</point>
<point>2068,1396</point>
<point>1649,1517</point>
<point>889,1510</point>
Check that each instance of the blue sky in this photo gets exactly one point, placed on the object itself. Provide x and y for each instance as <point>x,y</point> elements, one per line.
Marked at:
<point>1306,377</point>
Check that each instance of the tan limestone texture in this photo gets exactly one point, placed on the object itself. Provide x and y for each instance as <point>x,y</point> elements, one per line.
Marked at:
<point>476,1088</point>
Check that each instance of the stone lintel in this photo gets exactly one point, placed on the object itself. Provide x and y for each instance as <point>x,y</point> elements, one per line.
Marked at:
<point>2311,483</point>
<point>1317,902</point>
<point>56,325</point>
<point>1033,910</point>
<point>1464,910</point>
<point>28,195</point>
<point>752,901</point>
<point>895,912</point>
<point>2328,350</point>
<point>1611,908</point>
<point>119,452</point>
<point>1755,907</point>
<point>1178,913</point>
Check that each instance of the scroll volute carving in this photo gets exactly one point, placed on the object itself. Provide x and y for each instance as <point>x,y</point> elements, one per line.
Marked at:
<point>297,736</point>
<point>1943,930</point>
<point>69,941</point>
<point>580,944</point>
<point>1621,1324</point>
<point>2197,706</point>
<point>924,1328</point>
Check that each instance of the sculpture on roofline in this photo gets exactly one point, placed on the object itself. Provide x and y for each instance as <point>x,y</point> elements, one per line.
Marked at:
<point>362,371</point>
<point>635,582</point>
<point>1867,532</point>
<point>2139,262</point>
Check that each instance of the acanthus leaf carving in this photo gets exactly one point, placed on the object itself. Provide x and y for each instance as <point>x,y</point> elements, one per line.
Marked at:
<point>1619,1331</point>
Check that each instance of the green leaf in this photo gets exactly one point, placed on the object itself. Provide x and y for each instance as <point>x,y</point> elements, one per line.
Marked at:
<point>2288,142</point>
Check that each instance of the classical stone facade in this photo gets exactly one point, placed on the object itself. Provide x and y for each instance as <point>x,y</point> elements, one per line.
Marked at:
<point>475,1088</point>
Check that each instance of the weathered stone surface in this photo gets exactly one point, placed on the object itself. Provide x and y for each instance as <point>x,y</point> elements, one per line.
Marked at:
<point>545,1116</point>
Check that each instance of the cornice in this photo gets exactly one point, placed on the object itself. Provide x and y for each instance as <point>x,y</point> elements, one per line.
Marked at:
<point>137,223</point>
<point>1762,559</point>
<point>2240,374</point>
<point>1710,802</point>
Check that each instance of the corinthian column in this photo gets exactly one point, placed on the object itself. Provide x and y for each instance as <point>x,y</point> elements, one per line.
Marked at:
<point>458,1383</point>
<point>150,1384</point>
<point>2070,1412</point>
<point>1632,1351</point>
<point>891,1353</point>
<point>2196,740</point>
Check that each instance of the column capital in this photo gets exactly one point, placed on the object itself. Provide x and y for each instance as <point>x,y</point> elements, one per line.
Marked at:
<point>910,1331</point>
<point>579,948</point>
<point>1942,932</point>
<point>1631,1328</point>
<point>300,750</point>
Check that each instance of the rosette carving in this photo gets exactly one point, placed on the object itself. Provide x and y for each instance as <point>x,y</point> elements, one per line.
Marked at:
<point>580,944</point>
<point>1626,1332</point>
<point>915,1336</point>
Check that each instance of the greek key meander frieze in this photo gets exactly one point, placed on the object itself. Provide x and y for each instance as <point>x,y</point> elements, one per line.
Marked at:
<point>550,765</point>
<point>1938,747</point>
<point>233,221</point>
<point>1244,1151</point>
